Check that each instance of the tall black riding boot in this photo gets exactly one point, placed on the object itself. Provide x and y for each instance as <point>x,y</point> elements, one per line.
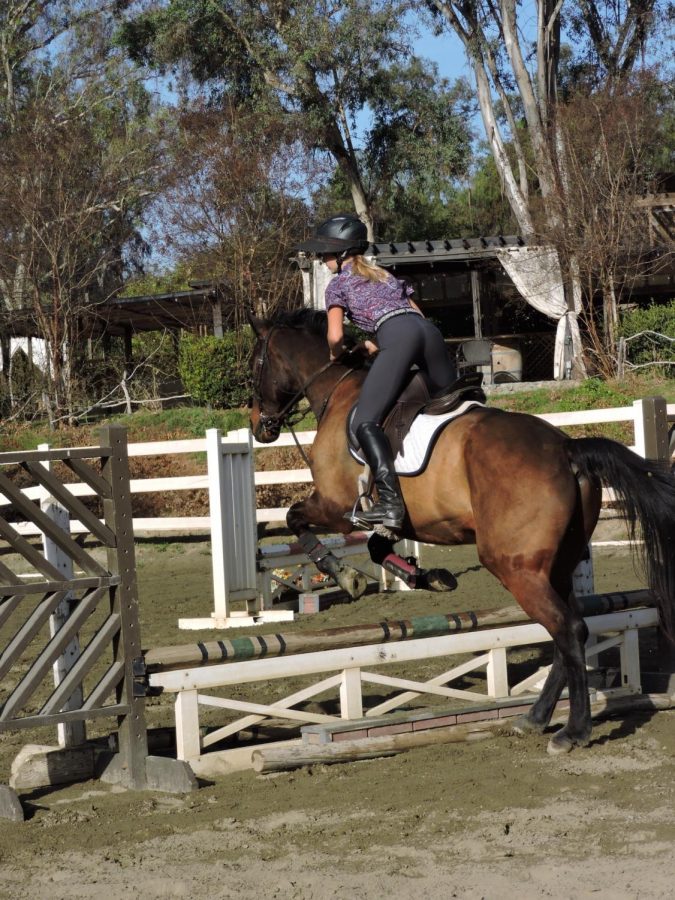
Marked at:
<point>389,509</point>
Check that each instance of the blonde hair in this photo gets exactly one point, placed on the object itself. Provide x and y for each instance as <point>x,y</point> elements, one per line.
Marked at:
<point>368,270</point>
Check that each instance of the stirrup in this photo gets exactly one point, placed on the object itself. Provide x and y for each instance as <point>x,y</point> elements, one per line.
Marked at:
<point>382,527</point>
<point>359,505</point>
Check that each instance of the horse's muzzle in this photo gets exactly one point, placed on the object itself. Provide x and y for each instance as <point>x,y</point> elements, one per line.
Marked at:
<point>267,429</point>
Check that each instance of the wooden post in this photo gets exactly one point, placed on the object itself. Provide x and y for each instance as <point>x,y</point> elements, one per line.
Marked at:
<point>475,297</point>
<point>651,429</point>
<point>234,536</point>
<point>630,660</point>
<point>187,726</point>
<point>583,584</point>
<point>351,700</point>
<point>69,733</point>
<point>233,525</point>
<point>652,442</point>
<point>497,673</point>
<point>132,731</point>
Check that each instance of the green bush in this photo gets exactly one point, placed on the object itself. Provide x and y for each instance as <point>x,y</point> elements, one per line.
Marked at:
<point>648,348</point>
<point>216,371</point>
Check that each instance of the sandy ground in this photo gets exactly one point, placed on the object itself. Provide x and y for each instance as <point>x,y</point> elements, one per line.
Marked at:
<point>498,819</point>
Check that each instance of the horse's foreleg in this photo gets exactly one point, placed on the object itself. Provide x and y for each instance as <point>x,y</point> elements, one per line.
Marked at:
<point>345,576</point>
<point>381,551</point>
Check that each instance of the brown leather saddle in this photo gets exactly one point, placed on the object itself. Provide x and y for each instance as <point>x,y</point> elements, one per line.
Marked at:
<point>415,400</point>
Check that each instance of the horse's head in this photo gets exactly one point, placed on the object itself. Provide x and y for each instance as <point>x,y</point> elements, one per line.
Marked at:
<point>275,380</point>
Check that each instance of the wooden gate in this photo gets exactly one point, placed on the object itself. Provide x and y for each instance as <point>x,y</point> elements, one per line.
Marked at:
<point>69,610</point>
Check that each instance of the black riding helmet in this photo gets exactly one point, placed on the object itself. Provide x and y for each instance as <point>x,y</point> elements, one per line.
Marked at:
<point>343,234</point>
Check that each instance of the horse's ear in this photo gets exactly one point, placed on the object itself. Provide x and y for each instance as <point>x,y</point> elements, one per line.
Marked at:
<point>260,326</point>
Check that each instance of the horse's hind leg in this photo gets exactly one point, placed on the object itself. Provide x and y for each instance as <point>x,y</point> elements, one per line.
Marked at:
<point>544,604</point>
<point>541,711</point>
<point>382,553</point>
<point>311,510</point>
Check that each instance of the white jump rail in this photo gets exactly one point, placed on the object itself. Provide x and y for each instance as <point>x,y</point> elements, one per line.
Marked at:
<point>243,570</point>
<point>347,669</point>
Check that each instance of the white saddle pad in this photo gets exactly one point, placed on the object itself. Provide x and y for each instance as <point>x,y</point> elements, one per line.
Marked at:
<point>419,441</point>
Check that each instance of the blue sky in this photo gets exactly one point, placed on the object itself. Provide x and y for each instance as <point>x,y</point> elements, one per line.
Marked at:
<point>446,50</point>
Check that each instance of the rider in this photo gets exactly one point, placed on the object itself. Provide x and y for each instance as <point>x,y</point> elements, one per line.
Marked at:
<point>381,305</point>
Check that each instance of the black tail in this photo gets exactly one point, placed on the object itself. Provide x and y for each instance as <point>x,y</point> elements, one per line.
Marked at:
<point>646,495</point>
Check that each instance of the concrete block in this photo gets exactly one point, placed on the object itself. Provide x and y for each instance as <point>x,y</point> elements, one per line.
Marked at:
<point>173,776</point>
<point>10,805</point>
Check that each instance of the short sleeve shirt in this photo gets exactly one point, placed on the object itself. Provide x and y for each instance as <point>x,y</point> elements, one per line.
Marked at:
<point>366,302</point>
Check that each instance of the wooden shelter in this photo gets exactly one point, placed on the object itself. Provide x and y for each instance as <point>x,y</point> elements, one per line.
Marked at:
<point>201,309</point>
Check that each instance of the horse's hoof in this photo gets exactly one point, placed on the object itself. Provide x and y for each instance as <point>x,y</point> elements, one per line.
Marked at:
<point>561,742</point>
<point>353,582</point>
<point>525,725</point>
<point>437,580</point>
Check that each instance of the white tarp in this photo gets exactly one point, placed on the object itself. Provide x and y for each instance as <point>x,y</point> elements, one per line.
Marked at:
<point>320,276</point>
<point>536,273</point>
<point>35,347</point>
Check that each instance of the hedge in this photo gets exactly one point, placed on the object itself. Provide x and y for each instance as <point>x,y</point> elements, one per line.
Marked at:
<point>216,371</point>
<point>649,348</point>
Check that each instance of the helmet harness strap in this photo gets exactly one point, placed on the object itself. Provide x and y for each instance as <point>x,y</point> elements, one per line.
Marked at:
<point>340,259</point>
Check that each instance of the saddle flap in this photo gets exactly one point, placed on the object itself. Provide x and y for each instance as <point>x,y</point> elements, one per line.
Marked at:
<point>413,398</point>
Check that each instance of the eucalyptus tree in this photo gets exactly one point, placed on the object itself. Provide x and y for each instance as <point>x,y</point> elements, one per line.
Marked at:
<point>527,58</point>
<point>343,72</point>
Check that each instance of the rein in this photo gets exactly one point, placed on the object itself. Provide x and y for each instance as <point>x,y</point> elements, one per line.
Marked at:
<point>288,411</point>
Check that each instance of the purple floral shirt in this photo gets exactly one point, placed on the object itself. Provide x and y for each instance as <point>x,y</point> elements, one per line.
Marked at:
<point>364,301</point>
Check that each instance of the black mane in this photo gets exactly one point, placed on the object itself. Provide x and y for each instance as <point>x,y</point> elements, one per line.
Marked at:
<point>312,320</point>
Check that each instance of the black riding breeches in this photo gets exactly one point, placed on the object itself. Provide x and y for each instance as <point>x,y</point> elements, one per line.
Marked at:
<point>403,341</point>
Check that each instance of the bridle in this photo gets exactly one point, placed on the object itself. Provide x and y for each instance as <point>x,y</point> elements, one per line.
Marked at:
<point>288,415</point>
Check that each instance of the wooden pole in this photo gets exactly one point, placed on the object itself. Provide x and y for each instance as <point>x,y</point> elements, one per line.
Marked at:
<point>283,758</point>
<point>205,653</point>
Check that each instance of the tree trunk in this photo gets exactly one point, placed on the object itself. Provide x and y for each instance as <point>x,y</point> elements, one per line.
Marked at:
<point>514,194</point>
<point>610,319</point>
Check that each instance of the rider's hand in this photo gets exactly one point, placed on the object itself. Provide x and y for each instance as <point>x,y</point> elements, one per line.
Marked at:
<point>354,356</point>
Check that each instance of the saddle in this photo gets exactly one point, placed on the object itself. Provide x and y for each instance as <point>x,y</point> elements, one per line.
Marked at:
<point>415,400</point>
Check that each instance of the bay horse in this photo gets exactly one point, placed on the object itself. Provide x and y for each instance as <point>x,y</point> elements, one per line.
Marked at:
<point>524,492</point>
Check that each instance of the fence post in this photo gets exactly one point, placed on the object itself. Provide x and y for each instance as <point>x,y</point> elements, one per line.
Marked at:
<point>583,583</point>
<point>69,734</point>
<point>233,522</point>
<point>651,429</point>
<point>652,442</point>
<point>234,535</point>
<point>132,731</point>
